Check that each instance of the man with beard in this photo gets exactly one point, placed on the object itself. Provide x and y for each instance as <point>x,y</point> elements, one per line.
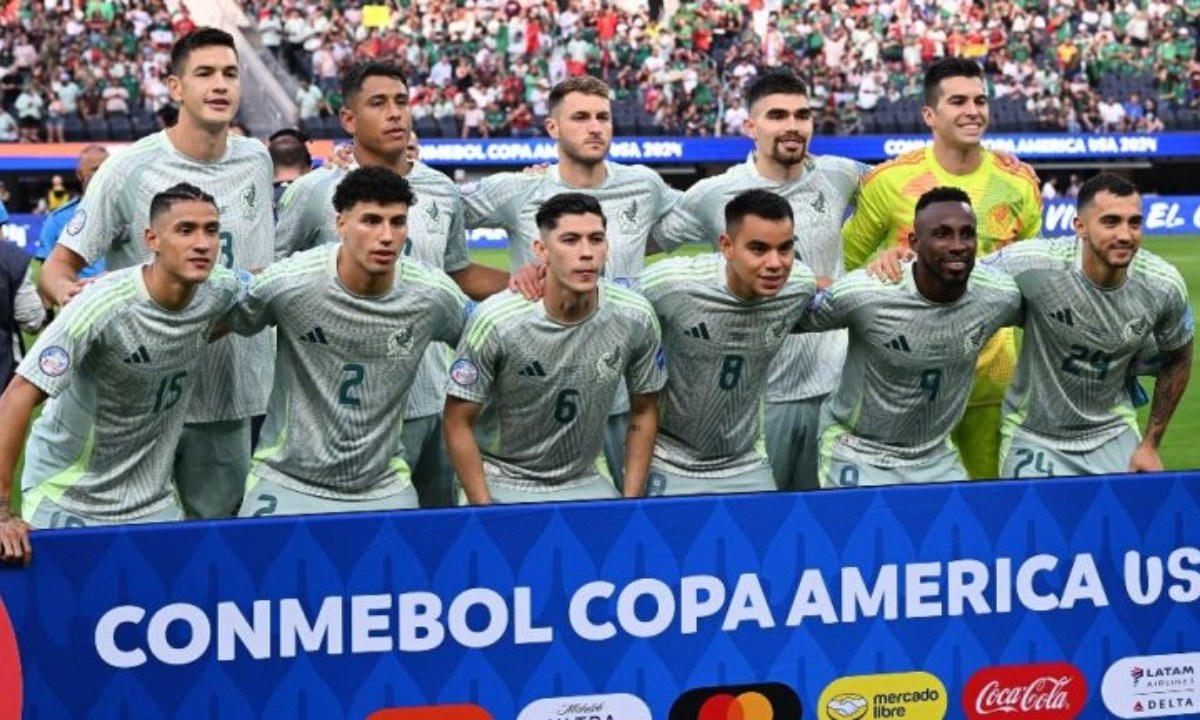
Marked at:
<point>913,348</point>
<point>819,190</point>
<point>633,198</point>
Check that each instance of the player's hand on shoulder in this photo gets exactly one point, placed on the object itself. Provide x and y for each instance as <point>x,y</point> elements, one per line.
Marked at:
<point>14,540</point>
<point>889,264</point>
<point>1145,459</point>
<point>529,280</point>
<point>536,170</point>
<point>72,290</point>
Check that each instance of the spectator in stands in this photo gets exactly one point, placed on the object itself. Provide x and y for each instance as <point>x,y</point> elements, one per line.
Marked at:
<point>9,130</point>
<point>270,30</point>
<point>116,100</point>
<point>29,107</point>
<point>311,101</point>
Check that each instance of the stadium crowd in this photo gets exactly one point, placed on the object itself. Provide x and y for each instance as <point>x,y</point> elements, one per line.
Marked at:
<point>484,68</point>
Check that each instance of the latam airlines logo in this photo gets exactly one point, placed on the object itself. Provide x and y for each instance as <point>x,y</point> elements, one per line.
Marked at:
<point>1153,686</point>
<point>1045,691</point>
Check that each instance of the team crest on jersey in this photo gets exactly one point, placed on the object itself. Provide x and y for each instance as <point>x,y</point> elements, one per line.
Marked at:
<point>975,338</point>
<point>818,203</point>
<point>54,361</point>
<point>400,343</point>
<point>1136,329</point>
<point>249,202</point>
<point>464,372</point>
<point>78,221</point>
<point>629,217</point>
<point>776,331</point>
<point>609,364</point>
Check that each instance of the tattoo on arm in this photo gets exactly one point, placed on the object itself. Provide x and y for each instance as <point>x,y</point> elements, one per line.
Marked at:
<point>1168,389</point>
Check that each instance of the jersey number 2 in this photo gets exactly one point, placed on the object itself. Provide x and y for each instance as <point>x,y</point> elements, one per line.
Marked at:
<point>352,376</point>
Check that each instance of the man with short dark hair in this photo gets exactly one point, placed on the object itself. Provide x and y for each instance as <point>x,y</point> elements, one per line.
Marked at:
<point>90,160</point>
<point>819,189</point>
<point>1094,301</point>
<point>214,450</point>
<point>724,316</point>
<point>353,321</point>
<point>913,349</point>
<point>290,159</point>
<point>633,197</point>
<point>377,117</point>
<point>1006,196</point>
<point>120,363</point>
<point>534,380</point>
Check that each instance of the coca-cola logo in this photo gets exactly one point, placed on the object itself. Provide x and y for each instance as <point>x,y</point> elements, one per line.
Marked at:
<point>1045,691</point>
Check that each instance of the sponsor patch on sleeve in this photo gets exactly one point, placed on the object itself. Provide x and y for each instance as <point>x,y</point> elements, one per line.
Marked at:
<point>54,361</point>
<point>78,221</point>
<point>464,372</point>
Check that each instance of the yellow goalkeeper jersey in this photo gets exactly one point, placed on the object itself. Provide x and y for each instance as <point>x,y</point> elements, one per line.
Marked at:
<point>1003,190</point>
<point>1008,207</point>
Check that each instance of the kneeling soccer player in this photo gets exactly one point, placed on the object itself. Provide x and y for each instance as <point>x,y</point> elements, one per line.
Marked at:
<point>119,365</point>
<point>725,316</point>
<point>534,381</point>
<point>353,322</point>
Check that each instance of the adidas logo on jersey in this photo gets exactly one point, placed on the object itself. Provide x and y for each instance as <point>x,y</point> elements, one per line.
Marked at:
<point>1063,316</point>
<point>898,343</point>
<point>316,335</point>
<point>699,331</point>
<point>139,356</point>
<point>533,369</point>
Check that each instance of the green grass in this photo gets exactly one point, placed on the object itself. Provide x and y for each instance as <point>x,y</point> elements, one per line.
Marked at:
<point>1178,452</point>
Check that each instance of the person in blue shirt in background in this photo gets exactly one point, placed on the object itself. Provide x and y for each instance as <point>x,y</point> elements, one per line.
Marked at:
<point>90,160</point>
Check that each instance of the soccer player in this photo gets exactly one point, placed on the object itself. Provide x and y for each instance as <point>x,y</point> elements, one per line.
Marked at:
<point>724,316</point>
<point>120,364</point>
<point>534,381</point>
<point>819,190</point>
<point>1006,197</point>
<point>633,198</point>
<point>376,116</point>
<point>90,160</point>
<point>913,349</point>
<point>290,158</point>
<point>353,322</point>
<point>1092,303</point>
<point>214,450</point>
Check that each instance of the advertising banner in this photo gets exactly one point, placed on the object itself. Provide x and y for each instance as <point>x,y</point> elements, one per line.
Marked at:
<point>1060,598</point>
<point>1163,216</point>
<point>680,150</point>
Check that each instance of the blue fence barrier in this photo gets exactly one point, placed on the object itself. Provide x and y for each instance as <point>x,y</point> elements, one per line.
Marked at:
<point>1048,599</point>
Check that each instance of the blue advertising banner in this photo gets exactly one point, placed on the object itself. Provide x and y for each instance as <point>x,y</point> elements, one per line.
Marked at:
<point>1059,598</point>
<point>1164,216</point>
<point>678,150</point>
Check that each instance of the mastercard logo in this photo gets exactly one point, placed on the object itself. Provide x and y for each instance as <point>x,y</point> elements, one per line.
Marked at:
<point>765,701</point>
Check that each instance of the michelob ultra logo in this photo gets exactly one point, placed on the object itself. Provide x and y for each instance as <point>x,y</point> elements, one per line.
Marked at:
<point>762,701</point>
<point>910,695</point>
<point>620,706</point>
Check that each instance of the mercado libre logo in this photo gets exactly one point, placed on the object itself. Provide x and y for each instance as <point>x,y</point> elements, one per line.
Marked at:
<point>763,701</point>
<point>1042,691</point>
<point>909,695</point>
<point>10,668</point>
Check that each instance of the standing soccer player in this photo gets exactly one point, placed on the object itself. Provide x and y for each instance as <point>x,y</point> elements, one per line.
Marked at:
<point>376,116</point>
<point>724,317</point>
<point>120,364</point>
<point>214,450</point>
<point>1007,200</point>
<point>913,349</point>
<point>534,380</point>
<point>1093,301</point>
<point>819,190</point>
<point>633,198</point>
<point>353,323</point>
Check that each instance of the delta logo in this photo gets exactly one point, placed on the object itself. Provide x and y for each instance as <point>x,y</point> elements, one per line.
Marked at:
<point>908,695</point>
<point>464,711</point>
<point>1153,686</point>
<point>762,701</point>
<point>1042,691</point>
